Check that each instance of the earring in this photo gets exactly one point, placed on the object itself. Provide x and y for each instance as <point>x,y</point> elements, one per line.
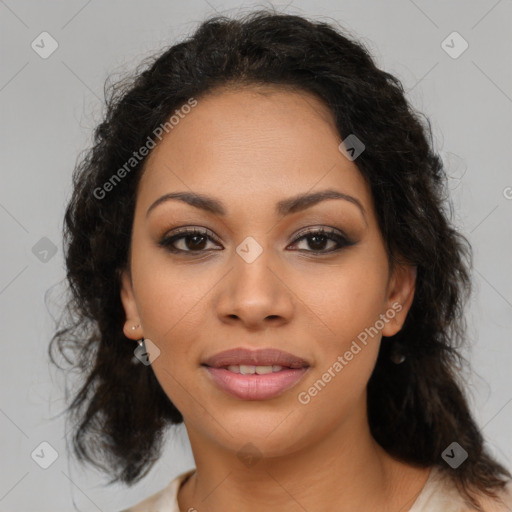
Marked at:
<point>135,327</point>
<point>141,354</point>
<point>397,354</point>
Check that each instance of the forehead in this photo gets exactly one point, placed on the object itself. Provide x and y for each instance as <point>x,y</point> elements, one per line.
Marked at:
<point>253,142</point>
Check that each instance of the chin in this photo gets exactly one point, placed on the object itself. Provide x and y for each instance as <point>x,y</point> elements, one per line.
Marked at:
<point>273,434</point>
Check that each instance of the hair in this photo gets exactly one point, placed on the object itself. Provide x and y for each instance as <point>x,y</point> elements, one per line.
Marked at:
<point>415,409</point>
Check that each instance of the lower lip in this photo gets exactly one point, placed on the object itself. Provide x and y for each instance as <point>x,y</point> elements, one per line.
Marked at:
<point>256,387</point>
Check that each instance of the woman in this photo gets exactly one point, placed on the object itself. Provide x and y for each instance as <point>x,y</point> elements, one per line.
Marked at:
<point>258,247</point>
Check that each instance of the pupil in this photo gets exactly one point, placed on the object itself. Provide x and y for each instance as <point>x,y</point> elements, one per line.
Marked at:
<point>196,244</point>
<point>321,243</point>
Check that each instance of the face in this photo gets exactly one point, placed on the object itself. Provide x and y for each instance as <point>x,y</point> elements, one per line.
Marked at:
<point>264,270</point>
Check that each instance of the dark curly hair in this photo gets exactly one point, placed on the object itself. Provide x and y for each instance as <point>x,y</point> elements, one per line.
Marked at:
<point>416,409</point>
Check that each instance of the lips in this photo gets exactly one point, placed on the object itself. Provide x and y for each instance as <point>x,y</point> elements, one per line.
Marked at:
<point>256,387</point>
<point>260,357</point>
<point>255,374</point>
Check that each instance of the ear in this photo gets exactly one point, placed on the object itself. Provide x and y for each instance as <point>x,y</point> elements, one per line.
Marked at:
<point>401,288</point>
<point>130,308</point>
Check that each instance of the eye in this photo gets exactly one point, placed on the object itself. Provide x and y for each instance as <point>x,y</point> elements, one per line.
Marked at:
<point>194,240</point>
<point>317,239</point>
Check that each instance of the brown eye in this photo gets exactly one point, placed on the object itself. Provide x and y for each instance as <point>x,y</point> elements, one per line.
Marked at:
<point>192,240</point>
<point>318,239</point>
<point>196,241</point>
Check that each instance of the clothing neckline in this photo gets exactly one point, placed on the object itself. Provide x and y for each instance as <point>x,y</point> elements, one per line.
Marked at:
<point>422,495</point>
<point>182,479</point>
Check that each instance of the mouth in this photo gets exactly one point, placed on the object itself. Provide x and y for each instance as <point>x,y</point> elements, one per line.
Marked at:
<point>255,374</point>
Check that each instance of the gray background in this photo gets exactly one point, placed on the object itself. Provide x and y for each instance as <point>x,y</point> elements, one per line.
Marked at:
<point>49,107</point>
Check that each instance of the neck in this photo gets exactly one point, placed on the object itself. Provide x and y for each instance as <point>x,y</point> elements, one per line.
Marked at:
<point>346,467</point>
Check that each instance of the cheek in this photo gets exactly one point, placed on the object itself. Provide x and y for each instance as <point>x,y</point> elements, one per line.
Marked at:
<point>175,303</point>
<point>170,295</point>
<point>345,298</point>
<point>348,302</point>
<point>170,302</point>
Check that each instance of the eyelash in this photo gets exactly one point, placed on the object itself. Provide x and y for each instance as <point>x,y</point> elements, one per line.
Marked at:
<point>168,241</point>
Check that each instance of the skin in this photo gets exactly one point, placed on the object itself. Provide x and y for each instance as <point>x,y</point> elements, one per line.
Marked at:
<point>250,148</point>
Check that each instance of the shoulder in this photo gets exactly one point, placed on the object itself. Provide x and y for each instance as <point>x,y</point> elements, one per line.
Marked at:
<point>165,500</point>
<point>440,494</point>
<point>489,504</point>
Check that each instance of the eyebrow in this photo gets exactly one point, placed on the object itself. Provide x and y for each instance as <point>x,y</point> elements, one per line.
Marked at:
<point>285,207</point>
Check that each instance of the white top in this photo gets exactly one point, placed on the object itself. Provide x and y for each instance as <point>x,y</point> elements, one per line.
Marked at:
<point>438,495</point>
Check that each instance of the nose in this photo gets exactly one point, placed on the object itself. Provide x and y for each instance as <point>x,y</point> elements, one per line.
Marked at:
<point>255,294</point>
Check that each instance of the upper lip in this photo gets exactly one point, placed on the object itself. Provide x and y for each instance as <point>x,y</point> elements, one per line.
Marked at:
<point>259,357</point>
